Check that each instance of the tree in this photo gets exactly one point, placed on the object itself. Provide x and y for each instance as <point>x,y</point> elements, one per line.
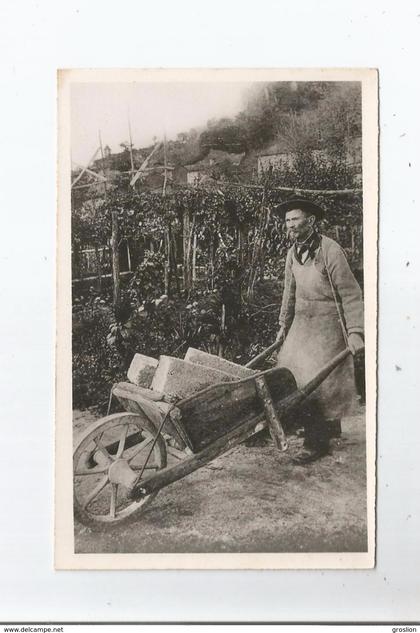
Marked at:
<point>224,136</point>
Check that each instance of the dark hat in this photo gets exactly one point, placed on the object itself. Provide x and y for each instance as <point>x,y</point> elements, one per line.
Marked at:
<point>299,203</point>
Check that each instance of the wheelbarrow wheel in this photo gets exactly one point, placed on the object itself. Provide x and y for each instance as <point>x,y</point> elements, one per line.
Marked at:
<point>119,442</point>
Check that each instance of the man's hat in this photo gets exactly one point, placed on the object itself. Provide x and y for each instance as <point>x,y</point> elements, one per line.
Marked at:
<point>299,203</point>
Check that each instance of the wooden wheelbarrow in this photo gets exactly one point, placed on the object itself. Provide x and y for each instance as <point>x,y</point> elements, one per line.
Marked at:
<point>121,461</point>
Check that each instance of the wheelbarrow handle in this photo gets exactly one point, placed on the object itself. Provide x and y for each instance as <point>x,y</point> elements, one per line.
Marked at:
<point>264,354</point>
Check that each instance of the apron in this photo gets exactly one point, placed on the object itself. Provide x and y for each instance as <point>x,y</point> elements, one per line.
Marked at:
<point>315,337</point>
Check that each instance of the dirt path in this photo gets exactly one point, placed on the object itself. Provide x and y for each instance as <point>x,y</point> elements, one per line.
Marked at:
<point>252,500</point>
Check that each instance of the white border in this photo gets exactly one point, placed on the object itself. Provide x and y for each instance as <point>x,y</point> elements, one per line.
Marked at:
<point>47,35</point>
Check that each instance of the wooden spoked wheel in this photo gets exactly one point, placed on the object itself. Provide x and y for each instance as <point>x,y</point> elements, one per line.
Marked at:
<point>114,449</point>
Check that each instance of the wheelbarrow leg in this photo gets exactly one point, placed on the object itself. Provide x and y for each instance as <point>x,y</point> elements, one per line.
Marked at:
<point>276,430</point>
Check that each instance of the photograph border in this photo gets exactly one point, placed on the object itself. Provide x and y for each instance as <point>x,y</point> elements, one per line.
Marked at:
<point>65,558</point>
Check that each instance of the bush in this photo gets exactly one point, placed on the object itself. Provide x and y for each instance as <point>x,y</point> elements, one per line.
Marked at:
<point>240,241</point>
<point>147,282</point>
<point>103,347</point>
<point>96,365</point>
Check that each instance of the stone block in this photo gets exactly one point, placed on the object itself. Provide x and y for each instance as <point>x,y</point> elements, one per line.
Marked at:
<point>142,370</point>
<point>215,362</point>
<point>180,378</point>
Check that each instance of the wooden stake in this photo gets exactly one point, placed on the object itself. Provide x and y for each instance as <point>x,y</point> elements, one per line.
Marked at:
<point>92,173</point>
<point>131,145</point>
<point>173,260</point>
<point>167,261</point>
<point>222,329</point>
<point>194,260</point>
<point>85,169</point>
<point>211,258</point>
<point>186,233</point>
<point>114,248</point>
<point>98,267</point>
<point>296,190</point>
<point>167,239</point>
<point>165,173</point>
<point>144,165</point>
<point>258,242</point>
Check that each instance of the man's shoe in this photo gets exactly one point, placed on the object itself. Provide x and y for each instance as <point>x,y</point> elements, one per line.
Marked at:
<point>308,455</point>
<point>334,428</point>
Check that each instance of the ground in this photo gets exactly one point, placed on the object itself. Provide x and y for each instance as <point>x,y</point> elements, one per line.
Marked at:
<point>252,500</point>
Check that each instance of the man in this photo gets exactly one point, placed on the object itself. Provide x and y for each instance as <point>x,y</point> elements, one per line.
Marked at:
<point>321,314</point>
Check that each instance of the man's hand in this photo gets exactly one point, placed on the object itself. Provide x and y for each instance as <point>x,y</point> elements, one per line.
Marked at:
<point>281,334</point>
<point>356,343</point>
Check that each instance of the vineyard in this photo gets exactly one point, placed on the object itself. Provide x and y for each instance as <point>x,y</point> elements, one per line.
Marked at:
<point>197,266</point>
<point>178,244</point>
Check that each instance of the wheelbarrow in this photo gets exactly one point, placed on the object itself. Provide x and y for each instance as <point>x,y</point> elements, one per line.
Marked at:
<point>121,461</point>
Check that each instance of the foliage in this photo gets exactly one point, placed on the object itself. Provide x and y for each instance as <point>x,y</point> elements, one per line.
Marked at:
<point>312,170</point>
<point>226,136</point>
<point>146,283</point>
<point>239,242</point>
<point>96,365</point>
<point>103,348</point>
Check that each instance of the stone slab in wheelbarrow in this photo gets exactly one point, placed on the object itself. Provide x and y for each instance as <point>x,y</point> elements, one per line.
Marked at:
<point>179,378</point>
<point>215,362</point>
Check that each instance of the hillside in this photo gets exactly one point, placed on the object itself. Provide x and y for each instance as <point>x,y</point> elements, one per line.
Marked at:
<point>298,117</point>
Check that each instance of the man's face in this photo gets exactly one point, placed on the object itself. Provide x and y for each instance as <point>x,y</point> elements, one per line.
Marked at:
<point>299,225</point>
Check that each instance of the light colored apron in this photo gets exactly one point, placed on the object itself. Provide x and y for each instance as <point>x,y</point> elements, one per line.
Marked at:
<point>315,337</point>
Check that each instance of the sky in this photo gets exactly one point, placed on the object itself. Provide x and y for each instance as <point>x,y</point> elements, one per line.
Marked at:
<point>153,109</point>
